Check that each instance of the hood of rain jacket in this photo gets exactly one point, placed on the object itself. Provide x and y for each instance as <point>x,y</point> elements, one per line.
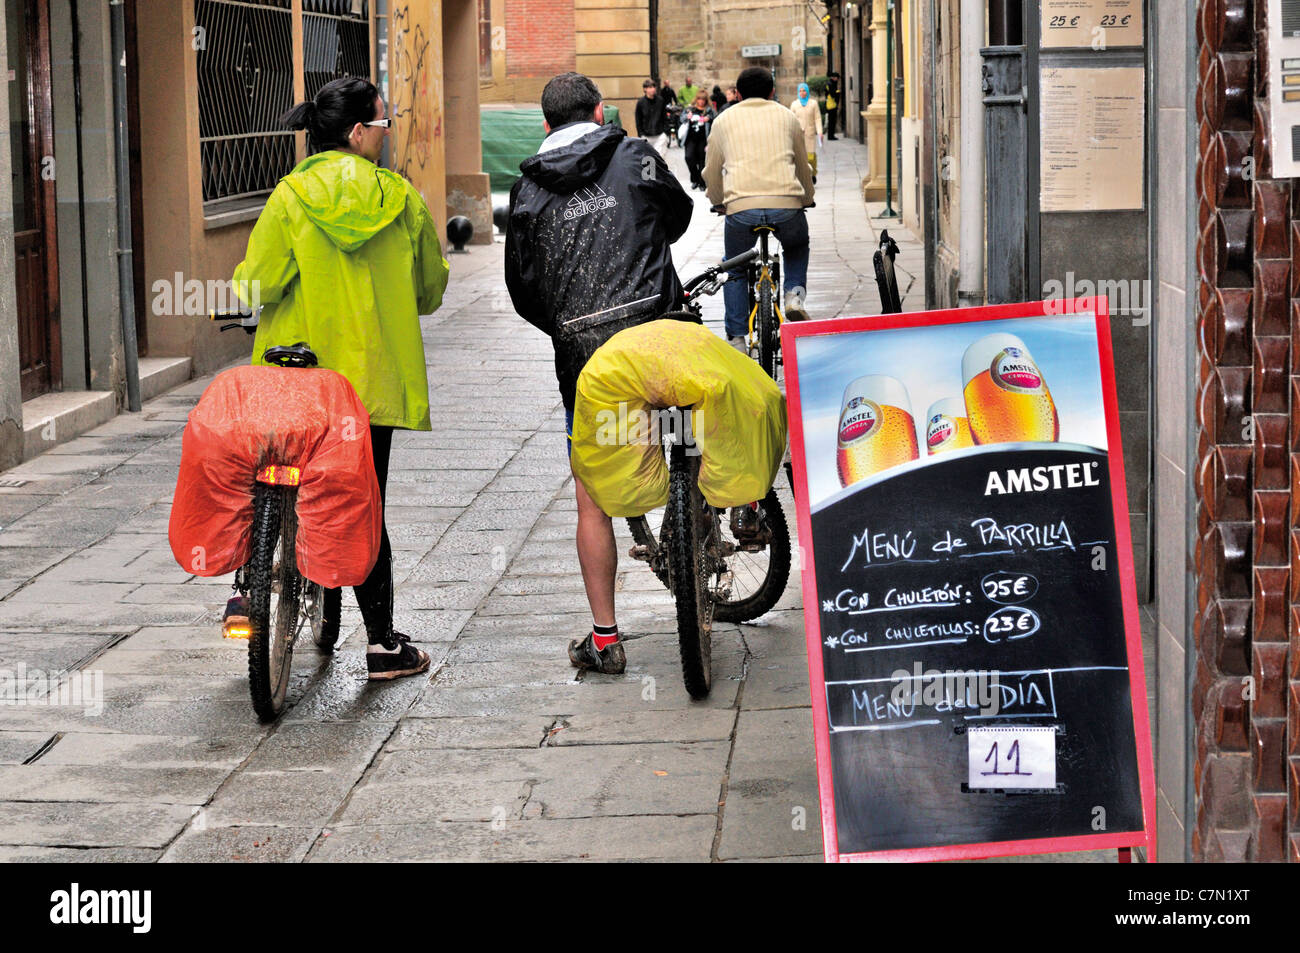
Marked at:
<point>345,256</point>
<point>588,243</point>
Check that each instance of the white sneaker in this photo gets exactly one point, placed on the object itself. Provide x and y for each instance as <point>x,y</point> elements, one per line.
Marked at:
<point>739,344</point>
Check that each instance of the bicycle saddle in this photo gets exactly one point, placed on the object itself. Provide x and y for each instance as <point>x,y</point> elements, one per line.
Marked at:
<point>291,355</point>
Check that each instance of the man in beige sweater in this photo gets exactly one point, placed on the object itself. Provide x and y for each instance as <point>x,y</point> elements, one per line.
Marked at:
<point>757,170</point>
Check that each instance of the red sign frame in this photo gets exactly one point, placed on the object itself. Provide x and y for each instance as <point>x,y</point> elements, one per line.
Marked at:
<point>1098,306</point>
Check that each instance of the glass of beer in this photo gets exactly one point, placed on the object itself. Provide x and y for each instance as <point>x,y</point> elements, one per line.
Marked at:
<point>946,426</point>
<point>876,428</point>
<point>1007,399</point>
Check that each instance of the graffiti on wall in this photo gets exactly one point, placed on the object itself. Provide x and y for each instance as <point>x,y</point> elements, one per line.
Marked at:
<point>415,73</point>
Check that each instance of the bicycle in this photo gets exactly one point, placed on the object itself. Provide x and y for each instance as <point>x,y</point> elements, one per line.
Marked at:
<point>279,601</point>
<point>714,569</point>
<point>764,301</point>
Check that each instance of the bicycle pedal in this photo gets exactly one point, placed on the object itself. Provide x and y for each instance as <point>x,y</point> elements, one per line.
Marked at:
<point>640,552</point>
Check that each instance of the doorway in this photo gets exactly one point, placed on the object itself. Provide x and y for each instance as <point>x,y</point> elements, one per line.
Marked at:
<point>31,143</point>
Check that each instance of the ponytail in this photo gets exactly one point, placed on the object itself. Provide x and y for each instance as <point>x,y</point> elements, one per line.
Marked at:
<point>340,105</point>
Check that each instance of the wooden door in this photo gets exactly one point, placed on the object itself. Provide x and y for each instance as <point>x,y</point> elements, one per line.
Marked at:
<point>31,140</point>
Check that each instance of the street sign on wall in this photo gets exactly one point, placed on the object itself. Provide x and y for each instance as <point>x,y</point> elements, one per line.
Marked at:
<point>764,49</point>
<point>974,651</point>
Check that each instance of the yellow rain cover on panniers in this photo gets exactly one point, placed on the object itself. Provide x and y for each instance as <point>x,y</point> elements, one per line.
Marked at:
<point>738,418</point>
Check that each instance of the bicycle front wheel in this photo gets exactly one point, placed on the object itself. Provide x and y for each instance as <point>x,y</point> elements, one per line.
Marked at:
<point>690,522</point>
<point>274,596</point>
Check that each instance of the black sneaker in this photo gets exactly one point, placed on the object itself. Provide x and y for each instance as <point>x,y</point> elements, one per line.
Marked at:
<point>396,660</point>
<point>611,661</point>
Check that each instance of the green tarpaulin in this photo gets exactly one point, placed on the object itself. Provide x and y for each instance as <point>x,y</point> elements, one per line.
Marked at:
<point>510,136</point>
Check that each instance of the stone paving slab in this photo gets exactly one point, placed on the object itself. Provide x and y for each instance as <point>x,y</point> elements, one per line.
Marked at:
<point>610,839</point>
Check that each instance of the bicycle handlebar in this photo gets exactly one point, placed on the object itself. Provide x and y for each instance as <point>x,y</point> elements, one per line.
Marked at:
<point>729,265</point>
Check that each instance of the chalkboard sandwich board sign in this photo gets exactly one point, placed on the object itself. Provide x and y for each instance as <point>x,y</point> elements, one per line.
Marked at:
<point>972,627</point>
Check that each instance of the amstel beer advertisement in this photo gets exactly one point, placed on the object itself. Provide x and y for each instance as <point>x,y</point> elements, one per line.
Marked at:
<point>971,616</point>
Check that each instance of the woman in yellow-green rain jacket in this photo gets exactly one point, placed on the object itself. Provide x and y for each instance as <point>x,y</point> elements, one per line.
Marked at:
<point>345,257</point>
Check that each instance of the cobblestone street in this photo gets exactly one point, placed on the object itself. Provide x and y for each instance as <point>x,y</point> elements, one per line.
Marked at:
<point>502,753</point>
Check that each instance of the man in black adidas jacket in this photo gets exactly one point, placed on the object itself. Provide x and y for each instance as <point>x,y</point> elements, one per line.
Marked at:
<point>587,255</point>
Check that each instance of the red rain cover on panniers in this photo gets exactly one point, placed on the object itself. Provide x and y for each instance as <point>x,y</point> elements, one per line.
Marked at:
<point>250,417</point>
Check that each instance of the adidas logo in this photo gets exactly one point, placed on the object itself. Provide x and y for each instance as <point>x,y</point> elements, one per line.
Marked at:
<point>586,201</point>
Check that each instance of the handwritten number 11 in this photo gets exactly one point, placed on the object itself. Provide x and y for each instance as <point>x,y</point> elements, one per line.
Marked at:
<point>1012,753</point>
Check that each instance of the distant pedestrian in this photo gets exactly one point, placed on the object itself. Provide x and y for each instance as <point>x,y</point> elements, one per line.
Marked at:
<point>686,95</point>
<point>832,103</point>
<point>694,133</point>
<point>809,114</point>
<point>652,118</point>
<point>757,171</point>
<point>718,98</point>
<point>732,97</point>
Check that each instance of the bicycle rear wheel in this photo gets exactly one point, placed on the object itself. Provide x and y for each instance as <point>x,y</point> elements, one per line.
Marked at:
<point>757,579</point>
<point>275,592</point>
<point>690,524</point>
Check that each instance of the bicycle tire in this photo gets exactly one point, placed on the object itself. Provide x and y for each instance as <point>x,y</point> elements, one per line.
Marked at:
<point>270,641</point>
<point>326,633</point>
<point>773,583</point>
<point>685,517</point>
<point>767,334</point>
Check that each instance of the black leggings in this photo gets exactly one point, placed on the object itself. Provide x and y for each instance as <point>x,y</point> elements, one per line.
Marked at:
<point>375,595</point>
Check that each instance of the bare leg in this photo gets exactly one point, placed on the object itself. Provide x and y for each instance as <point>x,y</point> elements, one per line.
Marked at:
<point>597,555</point>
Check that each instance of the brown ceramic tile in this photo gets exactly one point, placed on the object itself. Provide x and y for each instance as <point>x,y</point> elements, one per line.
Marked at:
<point>1268,744</point>
<point>1232,106</point>
<point>1269,838</point>
<point>1225,790</point>
<point>1232,262</point>
<point>1272,543</point>
<point>1231,716</point>
<point>1225,483</point>
<point>1295,566</point>
<point>1270,613</point>
<point>1232,560</point>
<point>1270,680</point>
<point>1232,403</point>
<point>1294,671</point>
<point>1227,326</point>
<point>1227,636</point>
<point>1295,428</point>
<point>1272,463</point>
<point>1227,183</point>
<point>1272,300</point>
<point>1293,719</point>
<point>1270,381</point>
<point>1272,203</point>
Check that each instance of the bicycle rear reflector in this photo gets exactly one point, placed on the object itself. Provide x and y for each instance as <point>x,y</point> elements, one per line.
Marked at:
<point>279,475</point>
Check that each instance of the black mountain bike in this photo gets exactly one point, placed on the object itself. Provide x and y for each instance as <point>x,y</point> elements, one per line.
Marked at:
<point>279,601</point>
<point>729,568</point>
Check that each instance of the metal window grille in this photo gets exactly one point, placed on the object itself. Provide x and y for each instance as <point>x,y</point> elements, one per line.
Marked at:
<point>1290,17</point>
<point>335,40</point>
<point>245,71</point>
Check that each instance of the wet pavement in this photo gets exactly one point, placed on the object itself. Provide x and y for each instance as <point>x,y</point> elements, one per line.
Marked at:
<point>502,753</point>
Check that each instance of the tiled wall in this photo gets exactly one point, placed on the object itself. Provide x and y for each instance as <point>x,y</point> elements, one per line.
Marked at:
<point>1247,479</point>
<point>1173,325</point>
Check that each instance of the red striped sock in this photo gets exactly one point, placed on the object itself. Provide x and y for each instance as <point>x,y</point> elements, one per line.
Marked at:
<point>603,635</point>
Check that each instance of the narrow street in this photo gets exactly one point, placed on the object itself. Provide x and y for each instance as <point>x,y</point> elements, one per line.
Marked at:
<point>502,753</point>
